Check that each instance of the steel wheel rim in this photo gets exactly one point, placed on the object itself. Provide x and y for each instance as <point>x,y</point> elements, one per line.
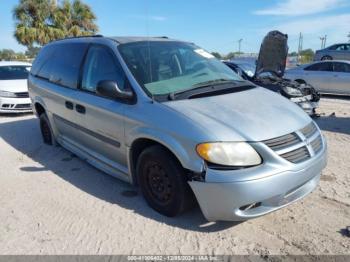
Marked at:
<point>158,183</point>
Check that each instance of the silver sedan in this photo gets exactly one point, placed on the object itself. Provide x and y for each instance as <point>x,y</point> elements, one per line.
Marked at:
<point>330,77</point>
<point>334,52</point>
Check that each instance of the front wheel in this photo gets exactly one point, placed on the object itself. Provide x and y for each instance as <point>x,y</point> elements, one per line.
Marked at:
<point>163,182</point>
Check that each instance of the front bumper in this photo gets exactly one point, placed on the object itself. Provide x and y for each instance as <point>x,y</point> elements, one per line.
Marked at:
<point>306,104</point>
<point>239,195</point>
<point>15,105</point>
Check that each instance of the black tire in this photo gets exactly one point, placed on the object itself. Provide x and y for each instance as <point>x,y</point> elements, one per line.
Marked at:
<point>326,57</point>
<point>163,182</point>
<point>46,130</point>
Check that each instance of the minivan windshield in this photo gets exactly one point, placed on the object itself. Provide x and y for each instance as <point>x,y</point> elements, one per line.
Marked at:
<point>165,67</point>
<point>14,72</point>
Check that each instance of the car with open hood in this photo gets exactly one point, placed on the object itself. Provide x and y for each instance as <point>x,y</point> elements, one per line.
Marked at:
<point>167,116</point>
<point>268,70</point>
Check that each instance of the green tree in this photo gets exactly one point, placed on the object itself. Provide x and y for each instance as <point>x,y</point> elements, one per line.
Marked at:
<point>32,51</point>
<point>217,55</point>
<point>10,55</point>
<point>307,55</point>
<point>229,56</point>
<point>34,22</point>
<point>75,19</point>
<point>39,22</point>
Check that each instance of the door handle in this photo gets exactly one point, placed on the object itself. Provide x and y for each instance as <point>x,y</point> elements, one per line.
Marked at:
<point>69,105</point>
<point>80,109</point>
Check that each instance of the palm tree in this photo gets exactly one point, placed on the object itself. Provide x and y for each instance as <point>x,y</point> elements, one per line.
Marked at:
<point>39,22</point>
<point>75,19</point>
<point>34,23</point>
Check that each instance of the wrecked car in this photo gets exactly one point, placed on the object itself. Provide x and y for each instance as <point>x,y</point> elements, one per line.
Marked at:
<point>169,117</point>
<point>267,71</point>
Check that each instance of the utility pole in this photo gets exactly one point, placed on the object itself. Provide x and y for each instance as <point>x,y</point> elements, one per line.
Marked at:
<point>322,38</point>
<point>300,45</point>
<point>349,36</point>
<point>239,45</point>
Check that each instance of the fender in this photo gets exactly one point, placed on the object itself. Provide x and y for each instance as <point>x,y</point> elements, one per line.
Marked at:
<point>187,159</point>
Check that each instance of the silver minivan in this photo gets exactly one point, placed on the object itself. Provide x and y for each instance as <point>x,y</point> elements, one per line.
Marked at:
<point>167,116</point>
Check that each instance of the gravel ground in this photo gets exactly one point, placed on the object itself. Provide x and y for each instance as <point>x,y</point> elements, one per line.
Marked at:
<point>53,203</point>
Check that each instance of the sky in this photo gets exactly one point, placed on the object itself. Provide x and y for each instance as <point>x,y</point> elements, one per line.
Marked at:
<point>215,25</point>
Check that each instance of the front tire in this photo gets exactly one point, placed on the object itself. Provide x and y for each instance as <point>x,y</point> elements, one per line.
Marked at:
<point>163,182</point>
<point>46,130</point>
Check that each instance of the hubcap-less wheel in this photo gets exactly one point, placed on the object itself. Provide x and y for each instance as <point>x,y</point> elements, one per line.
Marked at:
<point>163,181</point>
<point>46,130</point>
<point>159,184</point>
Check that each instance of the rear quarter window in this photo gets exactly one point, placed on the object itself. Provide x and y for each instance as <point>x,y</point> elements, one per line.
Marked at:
<point>60,63</point>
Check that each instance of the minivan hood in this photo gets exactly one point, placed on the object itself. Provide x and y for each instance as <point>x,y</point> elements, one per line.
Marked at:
<point>253,115</point>
<point>14,86</point>
<point>273,54</point>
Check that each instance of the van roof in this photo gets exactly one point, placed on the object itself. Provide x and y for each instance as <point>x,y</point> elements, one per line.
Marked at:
<point>119,39</point>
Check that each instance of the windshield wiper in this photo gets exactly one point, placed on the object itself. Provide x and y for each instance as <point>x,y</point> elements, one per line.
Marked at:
<point>206,84</point>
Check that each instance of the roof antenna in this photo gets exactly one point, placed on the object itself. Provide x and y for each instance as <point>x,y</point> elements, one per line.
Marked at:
<point>148,42</point>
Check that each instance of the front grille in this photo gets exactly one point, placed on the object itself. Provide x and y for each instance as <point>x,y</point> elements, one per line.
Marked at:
<point>23,106</point>
<point>283,141</point>
<point>317,144</point>
<point>298,146</point>
<point>296,156</point>
<point>309,130</point>
<point>22,95</point>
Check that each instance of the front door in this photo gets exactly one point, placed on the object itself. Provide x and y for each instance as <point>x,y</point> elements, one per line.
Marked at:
<point>100,118</point>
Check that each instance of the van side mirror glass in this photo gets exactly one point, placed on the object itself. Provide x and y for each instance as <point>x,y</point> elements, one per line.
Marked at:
<point>110,89</point>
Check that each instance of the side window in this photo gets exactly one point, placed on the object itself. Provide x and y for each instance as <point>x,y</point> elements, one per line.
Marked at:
<point>100,64</point>
<point>66,65</point>
<point>60,63</point>
<point>341,67</point>
<point>42,64</point>
<point>314,67</point>
<point>333,47</point>
<point>326,66</point>
<point>340,48</point>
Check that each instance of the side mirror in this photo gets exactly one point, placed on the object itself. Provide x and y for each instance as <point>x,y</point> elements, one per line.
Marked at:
<point>110,89</point>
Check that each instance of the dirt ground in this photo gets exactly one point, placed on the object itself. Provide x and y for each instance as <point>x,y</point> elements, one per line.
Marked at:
<point>53,203</point>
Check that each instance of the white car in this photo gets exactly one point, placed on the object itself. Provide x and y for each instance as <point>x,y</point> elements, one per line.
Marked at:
<point>14,97</point>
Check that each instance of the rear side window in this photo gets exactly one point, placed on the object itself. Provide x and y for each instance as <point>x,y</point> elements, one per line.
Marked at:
<point>60,63</point>
<point>327,66</point>
<point>341,67</point>
<point>14,72</point>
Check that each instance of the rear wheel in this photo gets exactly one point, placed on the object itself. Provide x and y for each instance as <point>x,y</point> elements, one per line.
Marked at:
<point>46,130</point>
<point>326,57</point>
<point>163,182</point>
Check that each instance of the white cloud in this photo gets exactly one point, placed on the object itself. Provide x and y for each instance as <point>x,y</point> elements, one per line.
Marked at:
<point>337,24</point>
<point>301,7</point>
<point>150,17</point>
<point>336,27</point>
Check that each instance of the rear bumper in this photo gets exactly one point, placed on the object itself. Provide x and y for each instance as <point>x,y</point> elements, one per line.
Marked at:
<point>15,105</point>
<point>245,199</point>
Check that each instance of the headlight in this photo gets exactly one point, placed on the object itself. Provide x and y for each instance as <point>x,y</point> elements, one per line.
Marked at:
<point>6,94</point>
<point>292,91</point>
<point>229,154</point>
